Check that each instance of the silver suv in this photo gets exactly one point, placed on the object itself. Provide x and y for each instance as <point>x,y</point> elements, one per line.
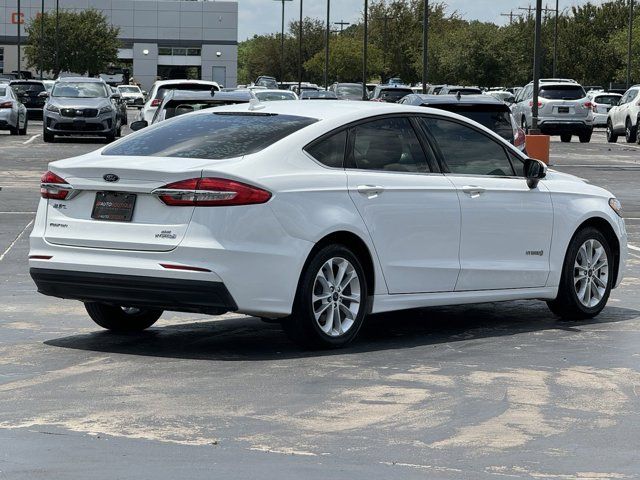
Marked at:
<point>79,106</point>
<point>563,109</point>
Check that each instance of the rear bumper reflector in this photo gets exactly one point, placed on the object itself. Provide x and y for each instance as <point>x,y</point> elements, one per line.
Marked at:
<point>40,257</point>
<point>169,266</point>
<point>172,294</point>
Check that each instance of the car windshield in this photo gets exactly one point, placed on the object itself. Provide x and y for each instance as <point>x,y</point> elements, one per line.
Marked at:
<point>611,100</point>
<point>496,118</point>
<point>562,92</point>
<point>212,136</point>
<point>395,94</point>
<point>162,91</point>
<point>129,89</point>
<point>30,88</point>
<point>349,90</point>
<point>79,90</point>
<point>271,96</point>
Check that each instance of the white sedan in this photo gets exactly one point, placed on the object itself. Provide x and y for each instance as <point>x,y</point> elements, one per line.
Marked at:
<point>318,214</point>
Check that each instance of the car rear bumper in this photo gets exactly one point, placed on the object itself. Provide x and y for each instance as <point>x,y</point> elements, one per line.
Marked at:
<point>135,291</point>
<point>555,127</point>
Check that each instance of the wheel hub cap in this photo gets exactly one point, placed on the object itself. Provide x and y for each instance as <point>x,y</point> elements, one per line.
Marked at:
<point>336,297</point>
<point>591,273</point>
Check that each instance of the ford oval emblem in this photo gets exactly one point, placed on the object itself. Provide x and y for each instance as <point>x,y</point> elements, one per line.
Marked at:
<point>111,177</point>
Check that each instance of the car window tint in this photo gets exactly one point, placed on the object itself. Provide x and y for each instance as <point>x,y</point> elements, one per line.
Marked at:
<point>330,150</point>
<point>211,136</point>
<point>388,144</point>
<point>562,92</point>
<point>495,117</point>
<point>467,151</point>
<point>518,164</point>
<point>611,100</point>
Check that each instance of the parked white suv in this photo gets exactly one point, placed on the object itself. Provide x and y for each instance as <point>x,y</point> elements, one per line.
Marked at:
<point>625,117</point>
<point>160,89</point>
<point>317,214</point>
<point>563,109</point>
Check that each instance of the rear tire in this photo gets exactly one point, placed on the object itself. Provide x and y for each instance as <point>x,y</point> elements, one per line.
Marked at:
<point>23,131</point>
<point>585,137</point>
<point>565,137</point>
<point>331,302</point>
<point>611,136</point>
<point>121,319</point>
<point>585,284</point>
<point>630,132</point>
<point>13,130</point>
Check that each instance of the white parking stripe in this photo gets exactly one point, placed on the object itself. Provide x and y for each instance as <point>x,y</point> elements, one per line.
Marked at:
<point>633,247</point>
<point>4,254</point>
<point>31,139</point>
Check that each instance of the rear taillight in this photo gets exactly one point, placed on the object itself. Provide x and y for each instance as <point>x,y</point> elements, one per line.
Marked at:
<point>54,187</point>
<point>155,102</point>
<point>210,192</point>
<point>540,104</point>
<point>6,105</point>
<point>587,105</point>
<point>519,138</point>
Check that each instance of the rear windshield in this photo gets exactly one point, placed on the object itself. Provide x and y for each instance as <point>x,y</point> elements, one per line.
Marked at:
<point>175,108</point>
<point>465,91</point>
<point>128,89</point>
<point>162,91</point>
<point>3,91</point>
<point>349,90</point>
<point>212,136</point>
<point>562,92</point>
<point>395,93</point>
<point>607,99</point>
<point>31,88</point>
<point>496,118</point>
<point>273,96</point>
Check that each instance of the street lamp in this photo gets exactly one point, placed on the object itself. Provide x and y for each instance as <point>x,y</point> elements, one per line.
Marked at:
<point>300,51</point>
<point>282,43</point>
<point>555,43</point>
<point>364,51</point>
<point>536,70</point>
<point>57,37</point>
<point>629,43</point>
<point>41,39</point>
<point>425,45</point>
<point>19,40</point>
<point>326,48</point>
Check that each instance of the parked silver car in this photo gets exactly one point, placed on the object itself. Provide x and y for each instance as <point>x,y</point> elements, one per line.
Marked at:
<point>563,109</point>
<point>602,103</point>
<point>79,106</point>
<point>13,114</point>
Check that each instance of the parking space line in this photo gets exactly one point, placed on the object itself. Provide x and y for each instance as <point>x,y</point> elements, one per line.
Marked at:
<point>4,254</point>
<point>17,213</point>
<point>31,139</point>
<point>633,247</point>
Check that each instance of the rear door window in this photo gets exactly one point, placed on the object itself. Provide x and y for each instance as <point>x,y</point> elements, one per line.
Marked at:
<point>562,92</point>
<point>211,136</point>
<point>330,150</point>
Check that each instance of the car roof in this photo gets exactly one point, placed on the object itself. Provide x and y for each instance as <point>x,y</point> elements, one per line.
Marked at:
<point>205,95</point>
<point>33,80</point>
<point>80,79</point>
<point>455,100</point>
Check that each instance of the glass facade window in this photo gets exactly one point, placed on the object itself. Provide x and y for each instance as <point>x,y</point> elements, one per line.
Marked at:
<point>192,52</point>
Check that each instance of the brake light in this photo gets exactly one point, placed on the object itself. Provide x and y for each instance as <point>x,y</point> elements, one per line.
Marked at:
<point>539,103</point>
<point>210,192</point>
<point>156,102</point>
<point>519,138</point>
<point>588,105</point>
<point>54,187</point>
<point>6,105</point>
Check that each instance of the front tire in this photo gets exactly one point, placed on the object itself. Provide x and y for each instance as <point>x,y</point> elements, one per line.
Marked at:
<point>121,319</point>
<point>587,277</point>
<point>331,302</point>
<point>612,137</point>
<point>48,137</point>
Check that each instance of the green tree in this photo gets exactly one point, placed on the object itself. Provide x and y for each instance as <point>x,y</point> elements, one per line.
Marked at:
<point>88,43</point>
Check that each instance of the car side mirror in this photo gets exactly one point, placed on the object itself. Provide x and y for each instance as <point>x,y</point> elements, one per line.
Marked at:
<point>138,125</point>
<point>534,171</point>
<point>116,96</point>
<point>43,94</point>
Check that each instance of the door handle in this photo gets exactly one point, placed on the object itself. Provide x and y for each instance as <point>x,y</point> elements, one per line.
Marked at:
<point>473,191</point>
<point>370,190</point>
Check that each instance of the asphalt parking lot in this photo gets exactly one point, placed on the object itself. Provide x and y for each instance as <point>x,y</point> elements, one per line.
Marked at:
<point>482,391</point>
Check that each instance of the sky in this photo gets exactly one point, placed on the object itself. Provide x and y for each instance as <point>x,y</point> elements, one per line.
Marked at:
<point>264,16</point>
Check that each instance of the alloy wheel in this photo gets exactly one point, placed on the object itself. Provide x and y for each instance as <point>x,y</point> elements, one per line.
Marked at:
<point>336,297</point>
<point>591,273</point>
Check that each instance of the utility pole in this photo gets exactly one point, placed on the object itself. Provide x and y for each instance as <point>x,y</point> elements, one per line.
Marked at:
<point>510,15</point>
<point>57,72</point>
<point>41,39</point>
<point>300,51</point>
<point>19,40</point>
<point>326,48</point>
<point>281,43</point>
<point>536,68</point>
<point>629,43</point>
<point>364,50</point>
<point>555,41</point>
<point>342,24</point>
<point>425,45</point>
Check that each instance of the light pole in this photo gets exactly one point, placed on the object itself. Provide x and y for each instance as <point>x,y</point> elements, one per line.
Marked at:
<point>282,43</point>
<point>19,41</point>
<point>326,48</point>
<point>629,43</point>
<point>425,45</point>
<point>41,39</point>
<point>57,72</point>
<point>536,70</point>
<point>555,42</point>
<point>364,50</point>
<point>300,51</point>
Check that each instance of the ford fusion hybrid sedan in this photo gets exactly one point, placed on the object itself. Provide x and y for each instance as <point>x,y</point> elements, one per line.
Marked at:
<point>316,215</point>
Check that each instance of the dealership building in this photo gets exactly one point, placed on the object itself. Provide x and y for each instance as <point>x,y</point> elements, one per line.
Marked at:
<point>159,38</point>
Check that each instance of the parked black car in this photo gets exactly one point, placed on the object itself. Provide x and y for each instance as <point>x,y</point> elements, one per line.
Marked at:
<point>389,93</point>
<point>484,109</point>
<point>28,92</point>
